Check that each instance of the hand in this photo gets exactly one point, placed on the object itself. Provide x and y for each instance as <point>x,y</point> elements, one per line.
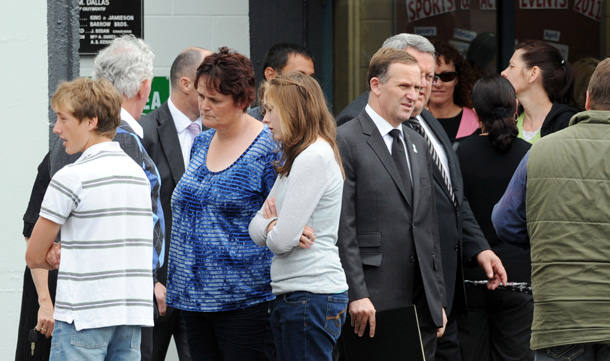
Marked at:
<point>160,293</point>
<point>492,265</point>
<point>307,237</point>
<point>269,210</point>
<point>441,331</point>
<point>362,312</point>
<point>54,255</point>
<point>45,323</point>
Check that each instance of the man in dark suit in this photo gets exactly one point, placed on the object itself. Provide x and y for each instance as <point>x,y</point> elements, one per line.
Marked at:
<point>283,58</point>
<point>388,236</point>
<point>461,237</point>
<point>168,135</point>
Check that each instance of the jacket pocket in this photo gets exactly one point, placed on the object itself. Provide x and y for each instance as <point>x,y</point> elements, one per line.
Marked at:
<point>370,248</point>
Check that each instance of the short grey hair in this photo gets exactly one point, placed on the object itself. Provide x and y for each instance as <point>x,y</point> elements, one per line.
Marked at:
<point>404,40</point>
<point>126,62</point>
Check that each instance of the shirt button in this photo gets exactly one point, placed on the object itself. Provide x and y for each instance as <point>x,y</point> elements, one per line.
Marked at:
<point>456,247</point>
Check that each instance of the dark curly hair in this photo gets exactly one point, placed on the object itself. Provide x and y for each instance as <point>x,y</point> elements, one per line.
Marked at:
<point>229,73</point>
<point>465,74</point>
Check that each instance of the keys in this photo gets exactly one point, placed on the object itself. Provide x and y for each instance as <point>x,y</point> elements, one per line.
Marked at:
<point>33,337</point>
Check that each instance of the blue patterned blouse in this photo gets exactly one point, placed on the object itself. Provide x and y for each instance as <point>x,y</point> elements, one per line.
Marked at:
<point>213,263</point>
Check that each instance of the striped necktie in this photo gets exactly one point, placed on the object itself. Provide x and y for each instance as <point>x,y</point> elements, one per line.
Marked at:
<point>414,123</point>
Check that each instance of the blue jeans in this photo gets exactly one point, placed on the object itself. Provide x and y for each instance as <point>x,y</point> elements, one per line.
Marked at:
<point>306,325</point>
<point>121,343</point>
<point>577,352</point>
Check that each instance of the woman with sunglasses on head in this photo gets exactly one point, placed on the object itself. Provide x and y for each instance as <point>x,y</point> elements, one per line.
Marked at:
<point>543,82</point>
<point>497,325</point>
<point>450,97</point>
<point>300,219</point>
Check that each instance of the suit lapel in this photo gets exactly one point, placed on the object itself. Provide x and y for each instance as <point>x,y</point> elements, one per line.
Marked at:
<point>375,141</point>
<point>440,134</point>
<point>170,143</point>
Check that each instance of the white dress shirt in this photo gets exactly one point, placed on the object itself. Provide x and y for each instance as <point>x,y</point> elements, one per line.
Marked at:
<point>185,137</point>
<point>385,128</point>
<point>132,123</point>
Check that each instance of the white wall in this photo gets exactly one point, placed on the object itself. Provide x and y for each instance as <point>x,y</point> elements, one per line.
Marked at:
<point>23,115</point>
<point>169,27</point>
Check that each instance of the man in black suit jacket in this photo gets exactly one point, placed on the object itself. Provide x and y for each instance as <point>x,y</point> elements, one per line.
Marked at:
<point>388,236</point>
<point>168,140</point>
<point>460,234</point>
<point>461,237</point>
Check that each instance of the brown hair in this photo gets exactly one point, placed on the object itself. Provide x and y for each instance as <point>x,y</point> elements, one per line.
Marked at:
<point>583,70</point>
<point>88,98</point>
<point>229,73</point>
<point>381,61</point>
<point>599,87</point>
<point>557,74</point>
<point>465,74</point>
<point>304,117</point>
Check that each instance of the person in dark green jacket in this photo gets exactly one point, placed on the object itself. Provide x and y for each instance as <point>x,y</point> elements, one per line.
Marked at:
<point>565,217</point>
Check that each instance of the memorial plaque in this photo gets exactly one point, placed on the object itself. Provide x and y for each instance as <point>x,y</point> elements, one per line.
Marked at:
<point>101,21</point>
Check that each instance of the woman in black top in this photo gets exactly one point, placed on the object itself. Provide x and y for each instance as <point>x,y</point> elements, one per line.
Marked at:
<point>32,314</point>
<point>498,323</point>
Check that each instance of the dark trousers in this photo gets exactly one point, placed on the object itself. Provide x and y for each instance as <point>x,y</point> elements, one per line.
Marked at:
<point>498,325</point>
<point>448,346</point>
<point>427,327</point>
<point>237,335</point>
<point>160,336</point>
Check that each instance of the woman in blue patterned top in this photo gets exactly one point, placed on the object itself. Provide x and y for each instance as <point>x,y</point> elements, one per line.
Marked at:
<point>216,274</point>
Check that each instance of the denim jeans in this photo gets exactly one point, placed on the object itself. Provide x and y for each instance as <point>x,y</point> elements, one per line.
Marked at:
<point>120,343</point>
<point>577,352</point>
<point>306,325</point>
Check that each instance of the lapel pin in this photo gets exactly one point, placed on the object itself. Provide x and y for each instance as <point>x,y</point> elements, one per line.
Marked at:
<point>414,149</point>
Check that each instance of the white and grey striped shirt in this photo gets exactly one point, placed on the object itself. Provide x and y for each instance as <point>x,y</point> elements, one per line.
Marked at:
<point>103,203</point>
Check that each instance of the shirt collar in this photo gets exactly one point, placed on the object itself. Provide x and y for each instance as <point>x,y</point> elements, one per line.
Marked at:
<point>137,128</point>
<point>382,125</point>
<point>181,121</point>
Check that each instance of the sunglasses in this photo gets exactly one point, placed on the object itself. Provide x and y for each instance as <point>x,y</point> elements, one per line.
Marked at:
<point>446,77</point>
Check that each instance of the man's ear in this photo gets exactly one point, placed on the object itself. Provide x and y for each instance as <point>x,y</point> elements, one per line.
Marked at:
<point>588,101</point>
<point>270,73</point>
<point>144,88</point>
<point>375,84</point>
<point>92,123</point>
<point>185,84</point>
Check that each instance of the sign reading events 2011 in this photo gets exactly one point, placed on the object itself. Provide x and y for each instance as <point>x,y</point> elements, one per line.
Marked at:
<point>103,20</point>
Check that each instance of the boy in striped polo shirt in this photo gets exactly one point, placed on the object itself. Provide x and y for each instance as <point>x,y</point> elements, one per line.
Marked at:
<point>101,204</point>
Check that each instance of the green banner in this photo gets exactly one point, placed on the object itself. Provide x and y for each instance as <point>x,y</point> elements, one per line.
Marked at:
<point>159,93</point>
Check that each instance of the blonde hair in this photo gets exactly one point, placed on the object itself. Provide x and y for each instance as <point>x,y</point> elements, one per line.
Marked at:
<point>88,98</point>
<point>304,117</point>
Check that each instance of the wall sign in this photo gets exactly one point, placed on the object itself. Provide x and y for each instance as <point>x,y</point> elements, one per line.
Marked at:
<point>543,4</point>
<point>159,93</point>
<point>101,21</point>
<point>421,9</point>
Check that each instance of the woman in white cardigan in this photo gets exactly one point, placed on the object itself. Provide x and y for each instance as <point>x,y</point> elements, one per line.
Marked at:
<point>300,219</point>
